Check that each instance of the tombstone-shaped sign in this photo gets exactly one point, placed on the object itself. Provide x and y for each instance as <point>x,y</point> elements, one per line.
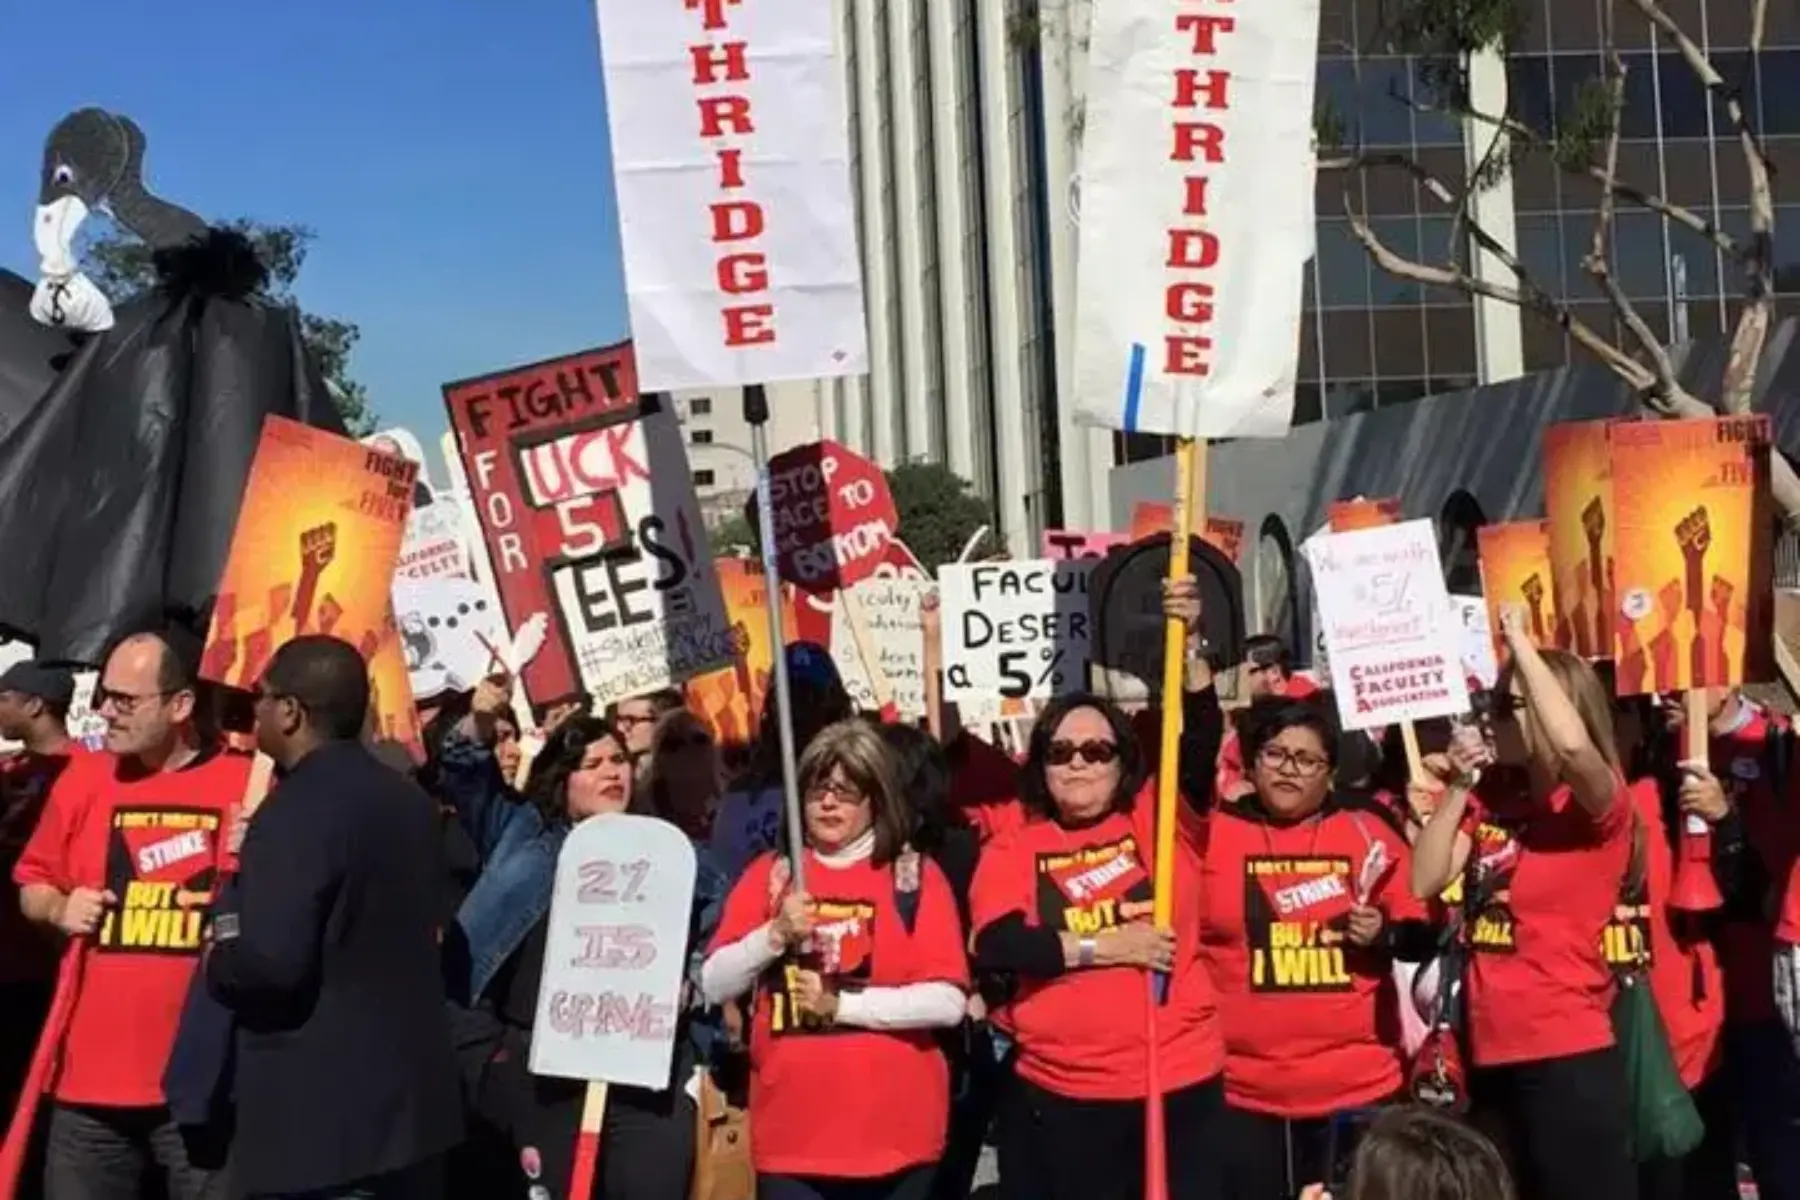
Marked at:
<point>1125,600</point>
<point>610,994</point>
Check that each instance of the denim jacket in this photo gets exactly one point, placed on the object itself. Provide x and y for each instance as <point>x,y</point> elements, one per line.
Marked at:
<point>518,852</point>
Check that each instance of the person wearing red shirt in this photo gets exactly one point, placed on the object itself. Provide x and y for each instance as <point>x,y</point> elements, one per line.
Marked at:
<point>1267,670</point>
<point>851,977</point>
<point>1062,904</point>
<point>34,705</point>
<point>124,862</point>
<point>1541,854</point>
<point>1305,903</point>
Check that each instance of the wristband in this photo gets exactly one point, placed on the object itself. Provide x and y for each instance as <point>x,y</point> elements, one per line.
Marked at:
<point>1086,949</point>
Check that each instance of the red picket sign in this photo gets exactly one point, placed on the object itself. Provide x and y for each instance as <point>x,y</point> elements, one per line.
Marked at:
<point>834,516</point>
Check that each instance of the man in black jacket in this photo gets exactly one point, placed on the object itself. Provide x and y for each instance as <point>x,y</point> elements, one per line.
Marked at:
<point>327,954</point>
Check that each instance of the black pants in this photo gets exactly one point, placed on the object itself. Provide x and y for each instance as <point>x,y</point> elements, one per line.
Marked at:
<point>913,1184</point>
<point>1709,1170</point>
<point>978,1077</point>
<point>1273,1158</point>
<point>1094,1149</point>
<point>106,1153</point>
<point>422,1181</point>
<point>23,1007</point>
<point>646,1143</point>
<point>1564,1125</point>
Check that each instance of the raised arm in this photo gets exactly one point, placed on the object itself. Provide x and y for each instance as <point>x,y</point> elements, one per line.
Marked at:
<point>1580,763</point>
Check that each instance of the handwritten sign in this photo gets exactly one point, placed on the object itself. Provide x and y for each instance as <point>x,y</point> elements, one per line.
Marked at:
<point>897,631</point>
<point>834,516</point>
<point>1073,543</point>
<point>610,993</point>
<point>1395,642</point>
<point>1016,629</point>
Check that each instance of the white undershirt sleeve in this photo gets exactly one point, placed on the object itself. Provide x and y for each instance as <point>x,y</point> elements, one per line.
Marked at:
<point>933,1005</point>
<point>732,970</point>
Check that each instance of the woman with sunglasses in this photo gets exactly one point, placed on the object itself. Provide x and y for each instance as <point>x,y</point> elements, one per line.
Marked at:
<point>1537,826</point>
<point>1063,904</point>
<point>1304,902</point>
<point>849,1091</point>
<point>494,958</point>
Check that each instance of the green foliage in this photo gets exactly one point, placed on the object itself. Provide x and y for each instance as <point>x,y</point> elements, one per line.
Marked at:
<point>732,534</point>
<point>939,511</point>
<point>121,267</point>
<point>1449,30</point>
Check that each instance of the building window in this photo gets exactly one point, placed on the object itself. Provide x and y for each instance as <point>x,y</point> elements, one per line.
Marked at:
<point>703,478</point>
<point>701,437</point>
<point>1276,611</point>
<point>700,406</point>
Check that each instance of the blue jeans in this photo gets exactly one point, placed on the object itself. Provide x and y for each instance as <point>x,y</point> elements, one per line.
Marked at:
<point>1765,1085</point>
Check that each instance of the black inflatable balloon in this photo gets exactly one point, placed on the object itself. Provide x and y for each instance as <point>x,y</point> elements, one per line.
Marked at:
<point>31,354</point>
<point>1125,608</point>
<point>121,486</point>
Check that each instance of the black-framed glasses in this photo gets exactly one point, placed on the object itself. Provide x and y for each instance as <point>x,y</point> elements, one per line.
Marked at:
<point>127,703</point>
<point>1293,762</point>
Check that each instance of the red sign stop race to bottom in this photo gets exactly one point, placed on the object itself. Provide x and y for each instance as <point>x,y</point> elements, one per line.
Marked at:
<point>834,516</point>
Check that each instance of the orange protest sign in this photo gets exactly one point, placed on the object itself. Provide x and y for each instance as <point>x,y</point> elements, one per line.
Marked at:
<point>1693,553</point>
<point>730,701</point>
<point>317,536</point>
<point>1226,536</point>
<point>1578,500</point>
<point>1515,569</point>
<point>1150,518</point>
<point>1347,516</point>
<point>391,694</point>
<point>1221,533</point>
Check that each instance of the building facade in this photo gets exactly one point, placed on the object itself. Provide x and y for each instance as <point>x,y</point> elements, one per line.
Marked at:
<point>718,439</point>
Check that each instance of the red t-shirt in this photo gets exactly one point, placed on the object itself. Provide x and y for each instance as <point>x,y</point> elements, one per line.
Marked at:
<point>1684,971</point>
<point>984,784</point>
<point>1539,987</point>
<point>158,844</point>
<point>1311,1023</point>
<point>1082,1034</point>
<point>1787,926</point>
<point>1772,831</point>
<point>841,1102</point>
<point>28,952</point>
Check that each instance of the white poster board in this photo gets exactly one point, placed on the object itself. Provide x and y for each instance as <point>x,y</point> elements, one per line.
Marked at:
<point>897,635</point>
<point>436,542</point>
<point>1395,642</point>
<point>731,152</point>
<point>610,994</point>
<point>650,615</point>
<point>1014,630</point>
<point>1480,664</point>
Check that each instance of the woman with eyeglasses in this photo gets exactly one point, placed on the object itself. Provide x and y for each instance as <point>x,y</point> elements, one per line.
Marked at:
<point>1063,903</point>
<point>1538,827</point>
<point>522,1127</point>
<point>1305,907</point>
<point>850,979</point>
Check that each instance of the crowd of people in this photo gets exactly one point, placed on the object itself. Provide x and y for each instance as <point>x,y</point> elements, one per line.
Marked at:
<point>1386,976</point>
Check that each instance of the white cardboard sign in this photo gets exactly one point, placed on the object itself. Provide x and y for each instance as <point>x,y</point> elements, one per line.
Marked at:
<point>897,633</point>
<point>1395,642</point>
<point>1014,630</point>
<point>610,994</point>
<point>1480,663</point>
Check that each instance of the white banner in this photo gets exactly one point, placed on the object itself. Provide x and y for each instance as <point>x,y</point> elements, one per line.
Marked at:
<point>731,151</point>
<point>1196,215</point>
<point>1396,644</point>
<point>610,995</point>
<point>897,636</point>
<point>651,615</point>
<point>1016,630</point>
<point>1481,666</point>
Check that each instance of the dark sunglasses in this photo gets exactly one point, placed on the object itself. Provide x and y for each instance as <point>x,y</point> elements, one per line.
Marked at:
<point>1062,754</point>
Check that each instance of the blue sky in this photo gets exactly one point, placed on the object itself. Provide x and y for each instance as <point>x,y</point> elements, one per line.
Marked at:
<point>451,156</point>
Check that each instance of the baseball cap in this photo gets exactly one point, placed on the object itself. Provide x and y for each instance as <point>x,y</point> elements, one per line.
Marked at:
<point>52,684</point>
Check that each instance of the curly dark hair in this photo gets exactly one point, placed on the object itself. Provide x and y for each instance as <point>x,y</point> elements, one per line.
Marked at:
<point>547,788</point>
<point>1269,717</point>
<point>1034,785</point>
<point>924,775</point>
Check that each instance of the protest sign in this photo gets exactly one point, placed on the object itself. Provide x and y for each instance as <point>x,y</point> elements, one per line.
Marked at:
<point>1073,543</point>
<point>1515,568</point>
<point>391,699</point>
<point>1578,503</point>
<point>1221,533</point>
<point>1693,553</point>
<point>1395,642</point>
<point>1480,665</point>
<point>1018,630</point>
<point>436,545</point>
<point>815,613</point>
<point>313,551</point>
<point>730,701</point>
<point>834,516</point>
<point>895,634</point>
<point>730,151</point>
<point>1196,216</point>
<point>1347,516</point>
<point>616,955</point>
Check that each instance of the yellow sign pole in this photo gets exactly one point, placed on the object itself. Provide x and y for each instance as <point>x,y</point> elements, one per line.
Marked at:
<point>1190,502</point>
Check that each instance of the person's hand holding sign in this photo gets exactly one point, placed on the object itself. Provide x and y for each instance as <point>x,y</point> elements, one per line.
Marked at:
<point>814,997</point>
<point>1365,925</point>
<point>792,924</point>
<point>1181,601</point>
<point>1515,622</point>
<point>81,910</point>
<point>1702,795</point>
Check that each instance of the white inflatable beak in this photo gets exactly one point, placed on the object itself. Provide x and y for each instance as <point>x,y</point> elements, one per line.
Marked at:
<point>54,233</point>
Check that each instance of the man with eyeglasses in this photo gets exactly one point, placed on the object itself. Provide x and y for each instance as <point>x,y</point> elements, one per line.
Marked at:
<point>124,863</point>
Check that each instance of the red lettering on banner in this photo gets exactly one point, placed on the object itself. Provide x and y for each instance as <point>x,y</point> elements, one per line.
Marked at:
<point>744,270</point>
<point>1188,303</point>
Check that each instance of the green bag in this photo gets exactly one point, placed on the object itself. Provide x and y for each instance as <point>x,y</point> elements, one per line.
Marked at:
<point>1664,1121</point>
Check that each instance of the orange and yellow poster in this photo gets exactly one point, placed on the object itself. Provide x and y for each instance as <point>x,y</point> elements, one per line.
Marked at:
<point>1693,553</point>
<point>1221,533</point>
<point>391,695</point>
<point>1578,500</point>
<point>317,536</point>
<point>1515,569</point>
<point>1347,516</point>
<point>730,701</point>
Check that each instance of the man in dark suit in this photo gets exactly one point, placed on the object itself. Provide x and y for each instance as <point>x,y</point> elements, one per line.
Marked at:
<point>327,954</point>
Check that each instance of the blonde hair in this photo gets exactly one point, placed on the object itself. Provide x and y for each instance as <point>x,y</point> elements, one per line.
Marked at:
<point>856,749</point>
<point>1581,684</point>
